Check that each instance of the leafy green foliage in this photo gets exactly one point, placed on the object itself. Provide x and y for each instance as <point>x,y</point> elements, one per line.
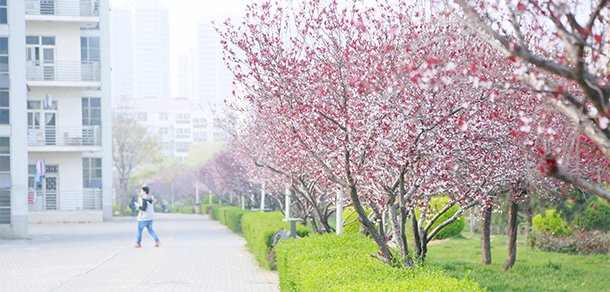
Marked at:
<point>354,227</point>
<point>581,242</point>
<point>343,263</point>
<point>551,223</point>
<point>595,217</point>
<point>451,230</point>
<point>258,229</point>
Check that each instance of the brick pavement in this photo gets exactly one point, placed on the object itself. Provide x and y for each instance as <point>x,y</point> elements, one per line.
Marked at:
<point>196,254</point>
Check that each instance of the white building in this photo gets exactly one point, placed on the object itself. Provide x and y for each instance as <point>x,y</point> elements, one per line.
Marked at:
<point>140,50</point>
<point>178,123</point>
<point>59,128</point>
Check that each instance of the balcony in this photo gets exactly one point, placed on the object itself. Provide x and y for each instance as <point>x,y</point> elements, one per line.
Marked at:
<point>86,199</point>
<point>64,74</point>
<point>65,139</point>
<point>83,11</point>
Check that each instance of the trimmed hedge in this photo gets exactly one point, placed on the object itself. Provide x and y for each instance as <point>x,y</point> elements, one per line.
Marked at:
<point>258,229</point>
<point>343,263</point>
<point>187,210</point>
<point>206,208</point>
<point>233,218</point>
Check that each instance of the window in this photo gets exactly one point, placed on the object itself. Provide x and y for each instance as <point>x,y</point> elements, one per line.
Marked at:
<point>200,136</point>
<point>163,131</point>
<point>4,81</point>
<point>5,180</point>
<point>163,116</point>
<point>183,118</point>
<point>200,123</point>
<point>183,147</point>
<point>92,172</point>
<point>183,133</point>
<point>143,117</point>
<point>3,12</point>
<point>90,49</point>
<point>92,111</point>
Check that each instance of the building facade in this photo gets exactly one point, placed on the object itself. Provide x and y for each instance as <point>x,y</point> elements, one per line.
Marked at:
<point>60,113</point>
<point>178,123</point>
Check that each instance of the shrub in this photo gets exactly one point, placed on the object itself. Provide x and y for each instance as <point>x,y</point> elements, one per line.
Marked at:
<point>551,223</point>
<point>233,218</point>
<point>451,230</point>
<point>158,209</point>
<point>187,210</point>
<point>205,209</point>
<point>173,209</point>
<point>581,242</point>
<point>597,218</point>
<point>343,263</point>
<point>259,228</point>
<point>352,228</point>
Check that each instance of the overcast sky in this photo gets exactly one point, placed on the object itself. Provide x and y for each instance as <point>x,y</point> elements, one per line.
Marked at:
<point>183,18</point>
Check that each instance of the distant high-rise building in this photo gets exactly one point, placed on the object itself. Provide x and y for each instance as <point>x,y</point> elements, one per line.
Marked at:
<point>186,76</point>
<point>140,40</point>
<point>214,81</point>
<point>121,31</point>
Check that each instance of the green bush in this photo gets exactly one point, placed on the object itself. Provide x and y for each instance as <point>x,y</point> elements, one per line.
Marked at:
<point>205,209</point>
<point>597,218</point>
<point>173,209</point>
<point>343,263</point>
<point>451,230</point>
<point>259,228</point>
<point>352,228</point>
<point>127,211</point>
<point>233,218</point>
<point>551,223</point>
<point>220,213</point>
<point>158,209</point>
<point>187,210</point>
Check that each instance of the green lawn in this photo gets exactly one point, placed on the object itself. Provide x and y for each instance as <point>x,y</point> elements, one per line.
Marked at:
<point>533,271</point>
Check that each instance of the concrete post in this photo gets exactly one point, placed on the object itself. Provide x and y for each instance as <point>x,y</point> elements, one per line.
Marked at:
<point>263,199</point>
<point>287,202</point>
<point>339,213</point>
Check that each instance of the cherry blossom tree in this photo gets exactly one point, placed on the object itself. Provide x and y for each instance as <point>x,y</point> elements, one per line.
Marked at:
<point>560,50</point>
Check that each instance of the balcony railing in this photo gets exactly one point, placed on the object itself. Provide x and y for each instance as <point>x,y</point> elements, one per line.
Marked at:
<point>87,199</point>
<point>65,136</point>
<point>62,7</point>
<point>63,71</point>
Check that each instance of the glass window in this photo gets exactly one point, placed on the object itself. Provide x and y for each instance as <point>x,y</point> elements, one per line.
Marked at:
<point>34,104</point>
<point>142,117</point>
<point>4,83</point>
<point>92,172</point>
<point>48,40</point>
<point>163,116</point>
<point>92,112</point>
<point>32,40</point>
<point>4,64</point>
<point>4,116</point>
<point>3,15</point>
<point>4,110</point>
<point>3,46</point>
<point>5,145</point>
<point>90,49</point>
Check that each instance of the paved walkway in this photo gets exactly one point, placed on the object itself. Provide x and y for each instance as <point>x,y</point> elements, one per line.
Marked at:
<point>196,254</point>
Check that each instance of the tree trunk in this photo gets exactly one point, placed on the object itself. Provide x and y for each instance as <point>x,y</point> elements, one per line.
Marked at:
<point>416,238</point>
<point>512,236</point>
<point>485,242</point>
